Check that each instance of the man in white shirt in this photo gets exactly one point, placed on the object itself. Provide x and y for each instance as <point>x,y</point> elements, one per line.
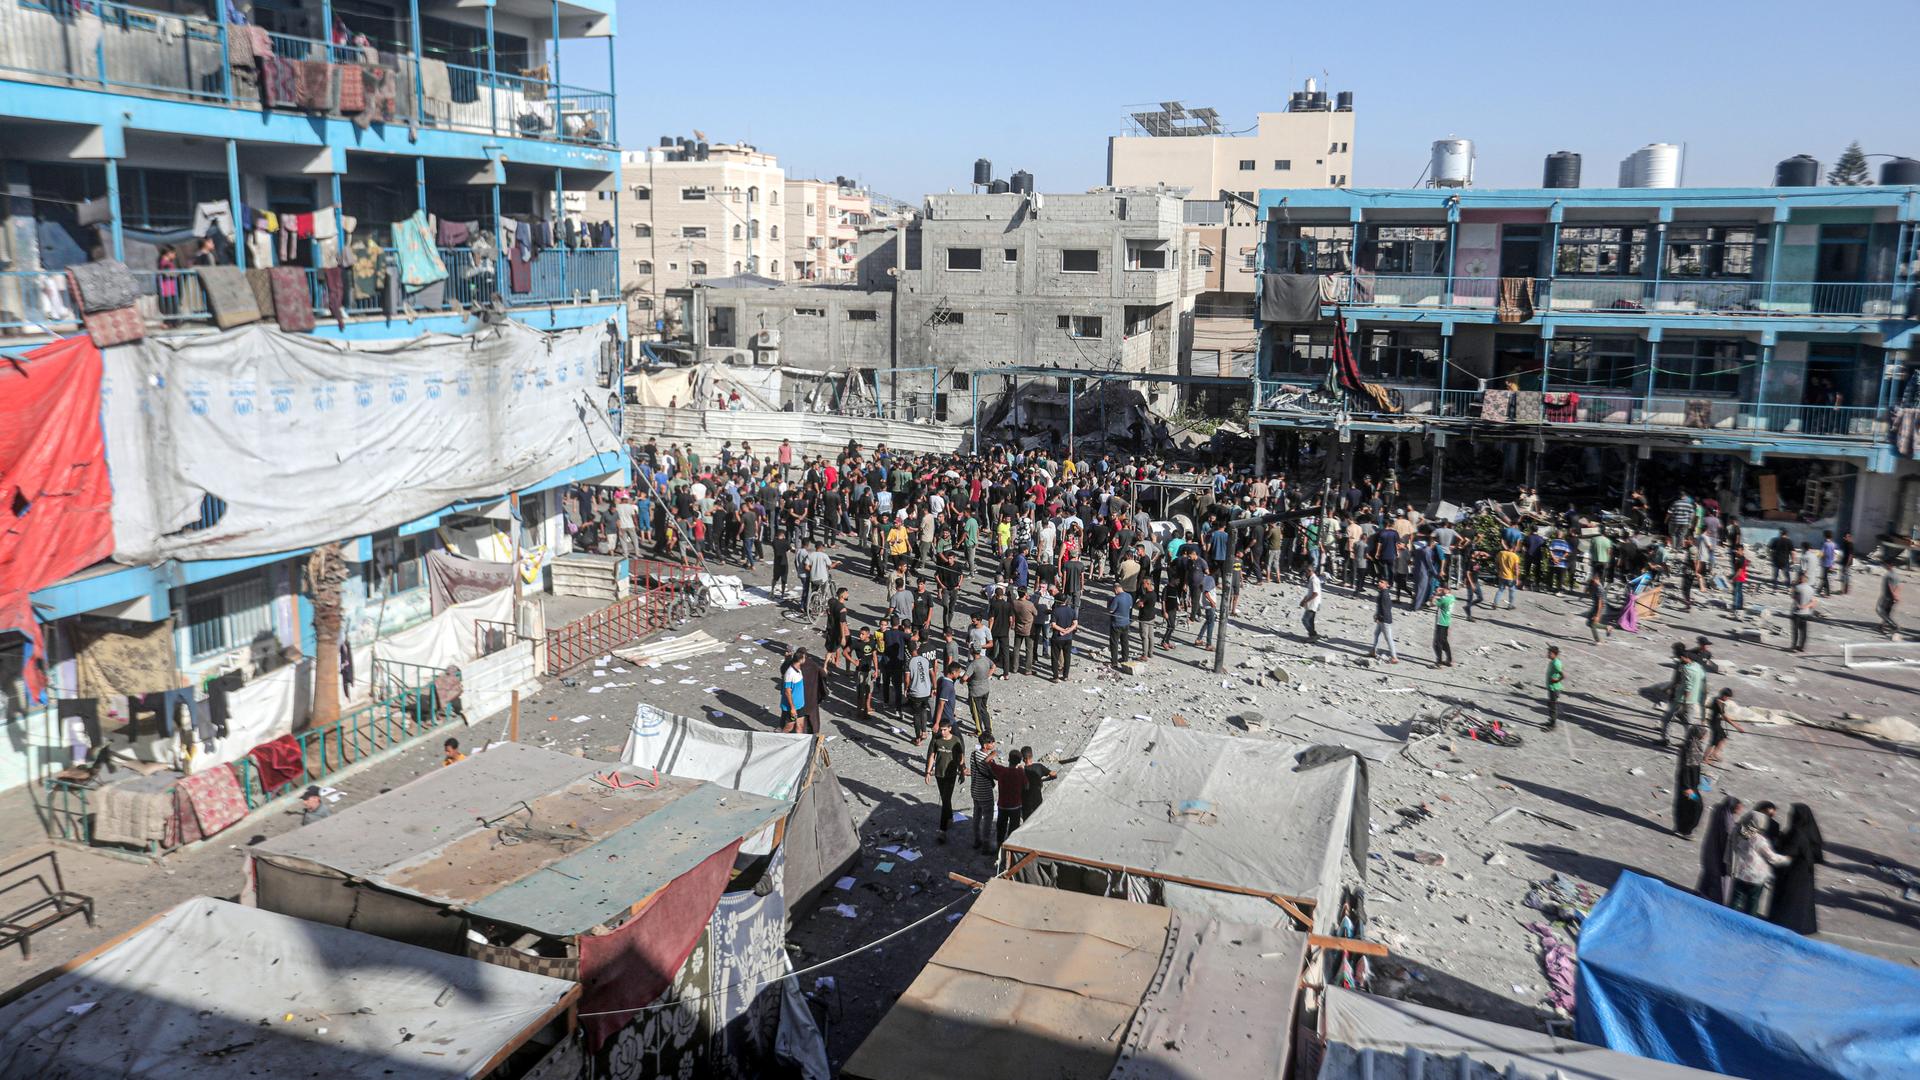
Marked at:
<point>1310,605</point>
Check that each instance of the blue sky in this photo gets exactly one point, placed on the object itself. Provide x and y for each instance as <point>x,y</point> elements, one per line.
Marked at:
<point>906,96</point>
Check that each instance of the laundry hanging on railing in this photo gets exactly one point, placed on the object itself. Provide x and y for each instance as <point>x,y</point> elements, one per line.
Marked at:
<point>420,263</point>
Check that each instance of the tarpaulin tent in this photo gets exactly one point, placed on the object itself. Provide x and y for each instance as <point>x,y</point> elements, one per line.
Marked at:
<point>1036,982</point>
<point>206,989</point>
<point>307,440</point>
<point>1668,975</point>
<point>1206,824</point>
<point>547,862</point>
<point>55,499</point>
<point>818,836</point>
<point>1376,1038</point>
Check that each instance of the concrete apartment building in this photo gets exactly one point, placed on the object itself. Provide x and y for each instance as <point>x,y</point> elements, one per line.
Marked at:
<point>1310,145</point>
<point>691,211</point>
<point>824,219</point>
<point>1076,281</point>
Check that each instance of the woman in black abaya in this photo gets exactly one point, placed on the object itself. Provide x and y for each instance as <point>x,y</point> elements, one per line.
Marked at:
<point>1716,851</point>
<point>1793,900</point>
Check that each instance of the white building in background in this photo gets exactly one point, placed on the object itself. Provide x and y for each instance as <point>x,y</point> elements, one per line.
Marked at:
<point>693,211</point>
<point>824,219</point>
<point>1308,146</point>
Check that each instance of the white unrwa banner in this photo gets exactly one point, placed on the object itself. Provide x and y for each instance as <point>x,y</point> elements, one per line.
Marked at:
<point>307,440</point>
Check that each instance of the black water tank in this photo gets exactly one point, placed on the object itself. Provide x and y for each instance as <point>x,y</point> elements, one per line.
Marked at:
<point>1899,172</point>
<point>1563,170</point>
<point>1343,101</point>
<point>700,151</point>
<point>666,141</point>
<point>998,187</point>
<point>1023,182</point>
<point>1297,101</point>
<point>1318,101</point>
<point>982,171</point>
<point>1800,170</point>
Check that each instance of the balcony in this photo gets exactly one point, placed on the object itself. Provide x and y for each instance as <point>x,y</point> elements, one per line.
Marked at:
<point>37,303</point>
<point>1590,413</point>
<point>116,48</point>
<point>1626,296</point>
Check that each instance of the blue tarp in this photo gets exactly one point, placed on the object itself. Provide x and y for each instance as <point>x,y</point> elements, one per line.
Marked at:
<point>1667,975</point>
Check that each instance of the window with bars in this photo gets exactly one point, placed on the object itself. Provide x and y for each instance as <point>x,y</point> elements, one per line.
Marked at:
<point>396,564</point>
<point>1574,363</point>
<point>1701,365</point>
<point>1602,250</point>
<point>222,616</point>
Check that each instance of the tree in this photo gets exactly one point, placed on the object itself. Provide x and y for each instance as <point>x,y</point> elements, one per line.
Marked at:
<point>326,572</point>
<point>1851,169</point>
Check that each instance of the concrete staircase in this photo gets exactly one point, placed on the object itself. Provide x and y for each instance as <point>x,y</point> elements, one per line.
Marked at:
<point>593,577</point>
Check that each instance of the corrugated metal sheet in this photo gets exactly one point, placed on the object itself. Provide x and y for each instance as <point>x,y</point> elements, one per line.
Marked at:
<point>584,852</point>
<point>584,889</point>
<point>813,433</point>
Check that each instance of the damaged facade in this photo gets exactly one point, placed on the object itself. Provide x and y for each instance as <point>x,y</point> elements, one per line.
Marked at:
<point>1754,344</point>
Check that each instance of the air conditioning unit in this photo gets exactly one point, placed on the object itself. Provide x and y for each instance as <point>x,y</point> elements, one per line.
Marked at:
<point>766,339</point>
<point>769,358</point>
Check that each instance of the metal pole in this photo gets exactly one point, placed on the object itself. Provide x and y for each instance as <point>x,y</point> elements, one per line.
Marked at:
<point>1073,387</point>
<point>559,194</point>
<point>973,386</point>
<point>493,84</point>
<point>339,225</point>
<point>113,200</point>
<point>413,39</point>
<point>233,195</point>
<point>420,184</point>
<point>554,94</point>
<point>1228,590</point>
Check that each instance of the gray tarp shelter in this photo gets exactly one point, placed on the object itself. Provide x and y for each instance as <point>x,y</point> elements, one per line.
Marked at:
<point>1037,982</point>
<point>817,835</point>
<point>1376,1038</point>
<point>205,991</point>
<point>1205,824</point>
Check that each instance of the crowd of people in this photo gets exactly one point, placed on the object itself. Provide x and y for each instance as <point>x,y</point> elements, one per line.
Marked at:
<point>1005,565</point>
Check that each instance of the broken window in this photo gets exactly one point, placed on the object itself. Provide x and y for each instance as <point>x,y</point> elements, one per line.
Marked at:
<point>963,258</point>
<point>1582,362</point>
<point>1404,355</point>
<point>862,315</point>
<point>693,232</point>
<point>1405,249</point>
<point>1602,250</point>
<point>810,312</point>
<point>1080,260</point>
<point>1081,326</point>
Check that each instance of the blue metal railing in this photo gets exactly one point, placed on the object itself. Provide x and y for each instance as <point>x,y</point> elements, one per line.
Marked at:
<point>114,46</point>
<point>1683,296</point>
<point>1659,411</point>
<point>119,47</point>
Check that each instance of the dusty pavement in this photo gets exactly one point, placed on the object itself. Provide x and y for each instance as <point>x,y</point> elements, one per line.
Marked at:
<point>1600,783</point>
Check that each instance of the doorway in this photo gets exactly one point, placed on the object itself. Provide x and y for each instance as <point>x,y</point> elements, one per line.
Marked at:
<point>1520,251</point>
<point>1841,268</point>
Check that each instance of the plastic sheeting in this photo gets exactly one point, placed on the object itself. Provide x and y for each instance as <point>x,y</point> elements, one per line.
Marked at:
<point>820,842</point>
<point>212,979</point>
<point>275,704</point>
<point>1376,1038</point>
<point>1668,975</point>
<point>444,641</point>
<point>1165,802</point>
<point>307,440</point>
<point>55,498</point>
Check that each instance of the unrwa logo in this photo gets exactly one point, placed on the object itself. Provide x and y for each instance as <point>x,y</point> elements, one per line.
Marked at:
<point>649,722</point>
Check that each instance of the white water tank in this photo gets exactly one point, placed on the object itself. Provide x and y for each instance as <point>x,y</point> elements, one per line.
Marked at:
<point>1452,163</point>
<point>1655,165</point>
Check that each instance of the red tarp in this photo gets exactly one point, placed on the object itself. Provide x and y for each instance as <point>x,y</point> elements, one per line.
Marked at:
<point>56,503</point>
<point>1343,364</point>
<point>279,763</point>
<point>632,966</point>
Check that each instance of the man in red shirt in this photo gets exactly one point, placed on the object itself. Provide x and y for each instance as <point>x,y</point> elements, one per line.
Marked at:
<point>1012,782</point>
